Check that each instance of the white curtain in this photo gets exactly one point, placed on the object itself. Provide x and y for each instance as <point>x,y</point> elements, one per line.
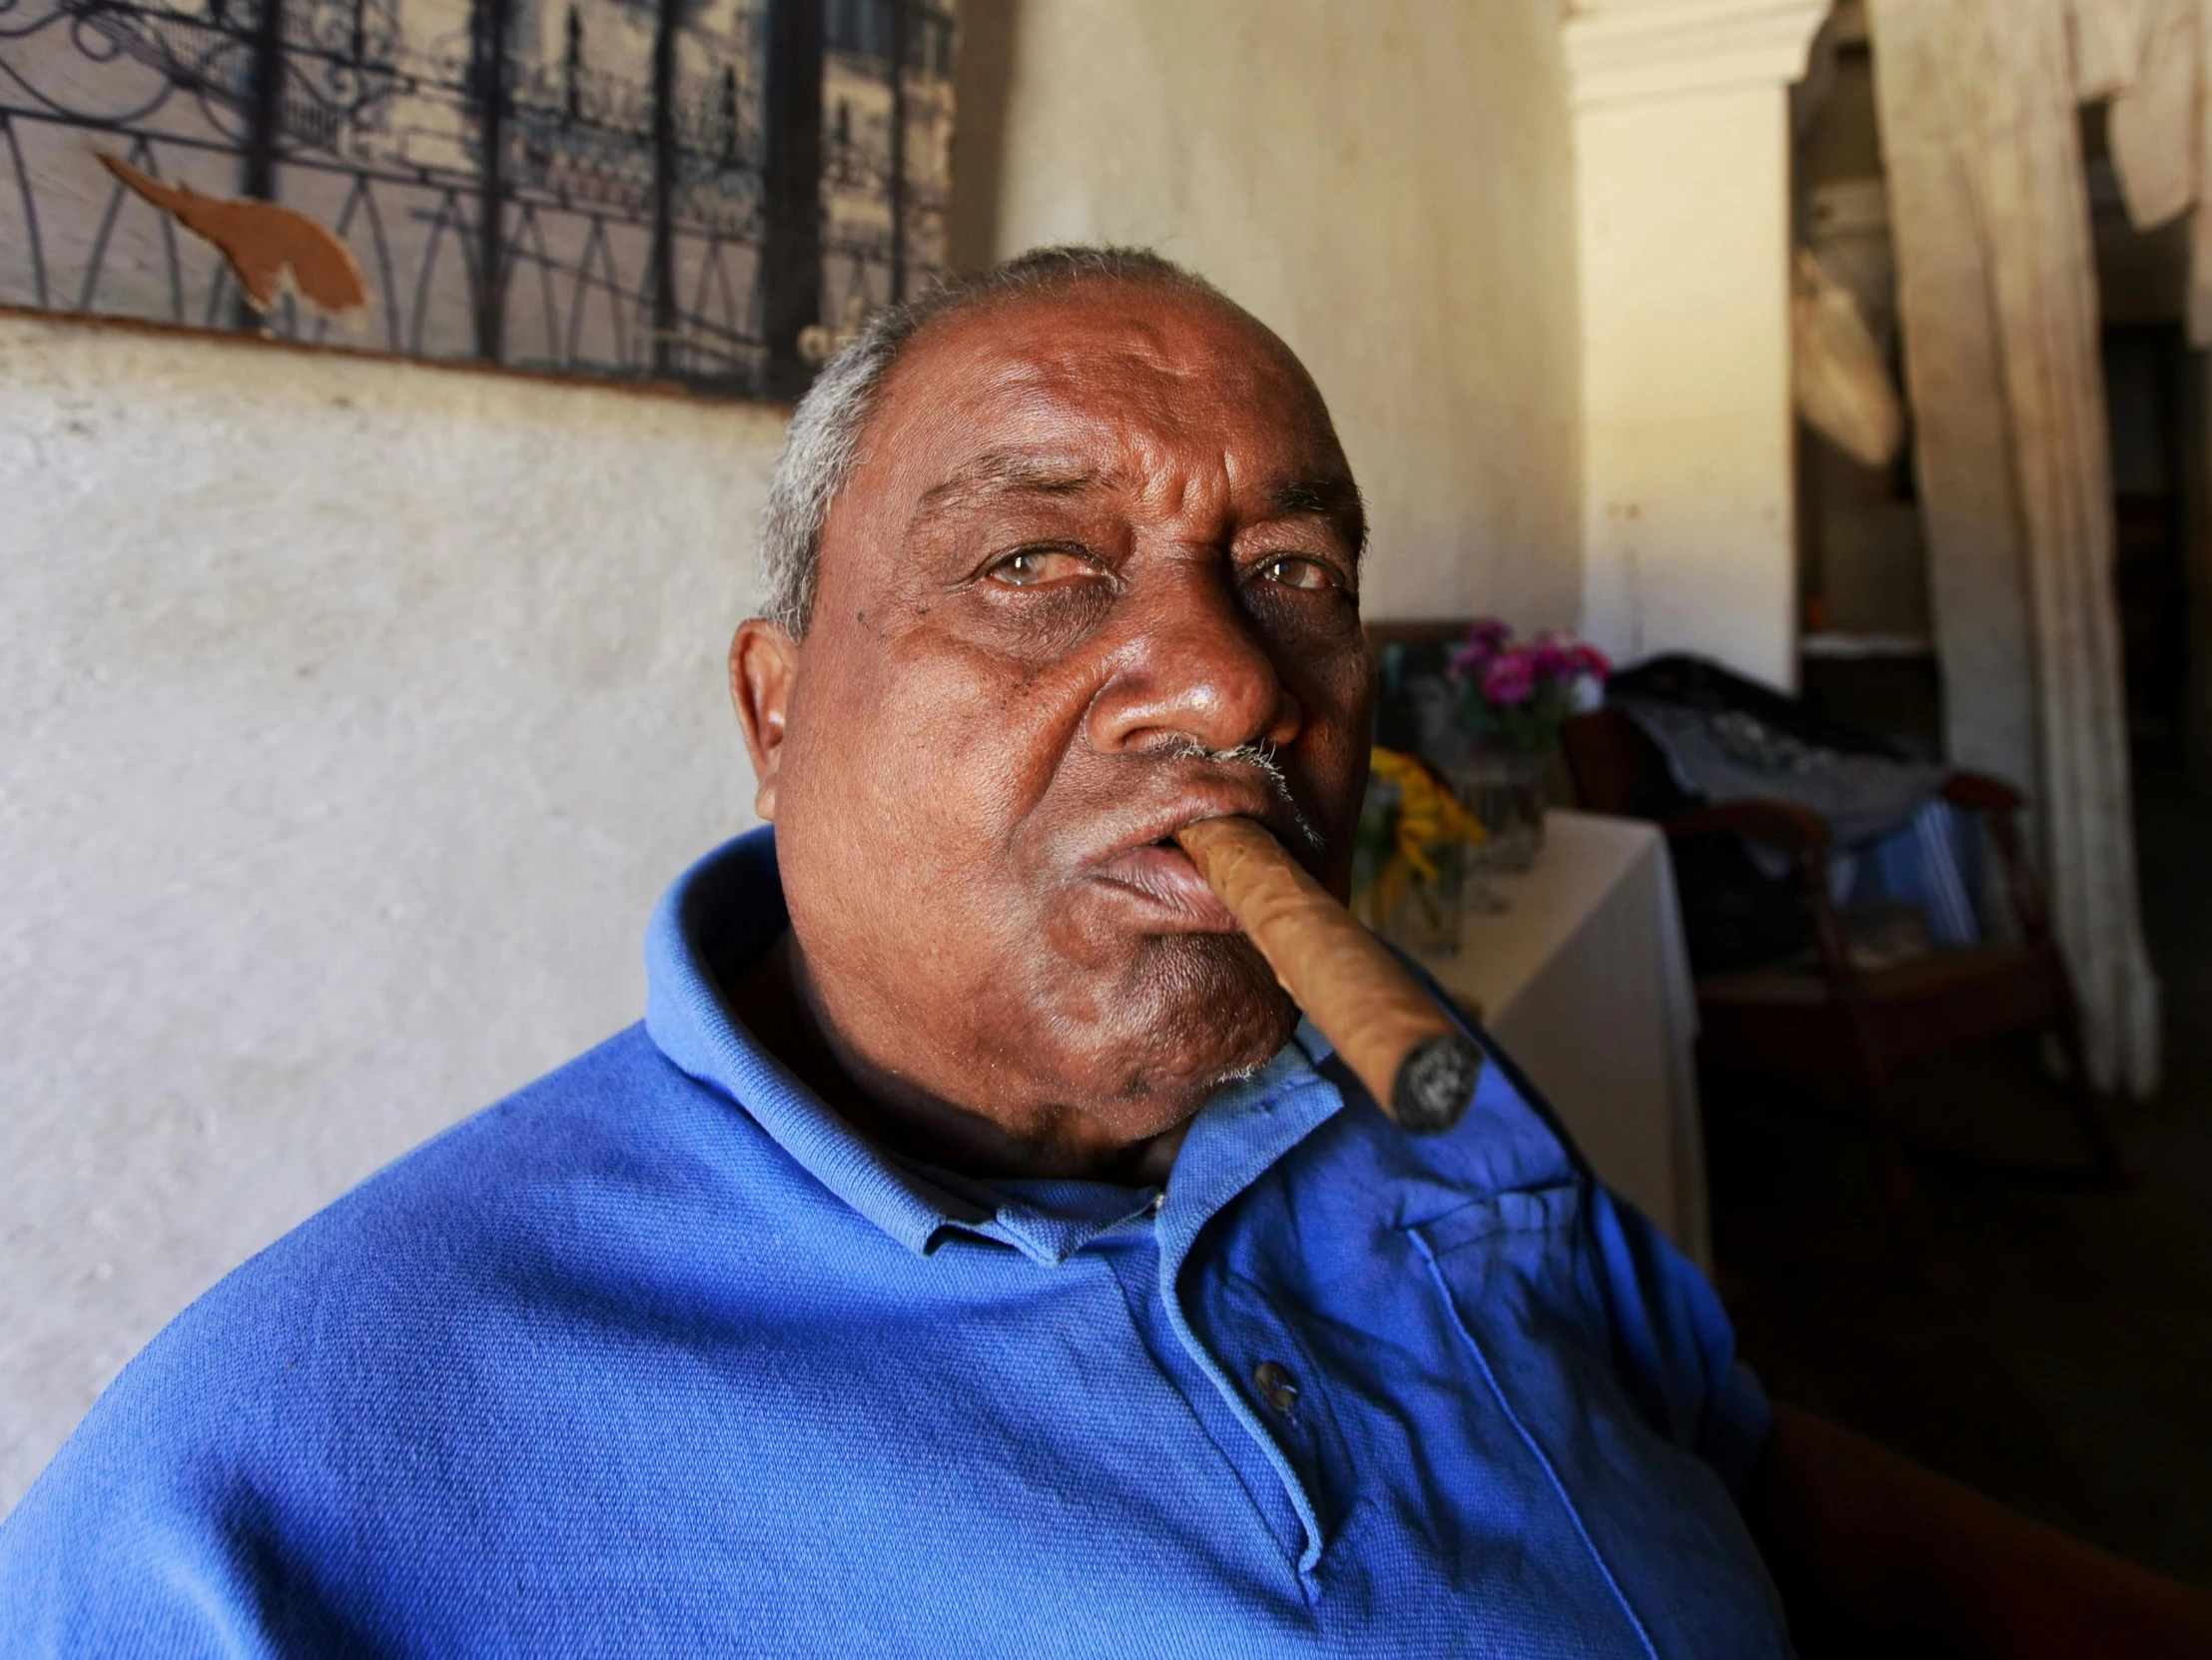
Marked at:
<point>1997,291</point>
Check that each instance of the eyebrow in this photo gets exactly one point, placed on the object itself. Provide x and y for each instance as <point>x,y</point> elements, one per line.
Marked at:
<point>1006,472</point>
<point>1330,496</point>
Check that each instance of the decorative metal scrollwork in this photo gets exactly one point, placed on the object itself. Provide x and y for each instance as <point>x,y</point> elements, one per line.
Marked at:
<point>509,174</point>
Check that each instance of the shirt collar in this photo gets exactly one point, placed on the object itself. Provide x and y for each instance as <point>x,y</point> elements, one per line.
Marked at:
<point>729,907</point>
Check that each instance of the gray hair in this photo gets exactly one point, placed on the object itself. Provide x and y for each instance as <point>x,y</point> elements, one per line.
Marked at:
<point>822,446</point>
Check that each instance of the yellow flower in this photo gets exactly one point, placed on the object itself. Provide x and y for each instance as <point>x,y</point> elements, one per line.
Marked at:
<point>1429,820</point>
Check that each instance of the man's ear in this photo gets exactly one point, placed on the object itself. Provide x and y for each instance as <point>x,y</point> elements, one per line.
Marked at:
<point>764,661</point>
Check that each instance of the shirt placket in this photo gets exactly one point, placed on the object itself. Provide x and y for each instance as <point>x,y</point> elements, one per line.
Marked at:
<point>1243,1458</point>
<point>1262,1379</point>
<point>1279,1379</point>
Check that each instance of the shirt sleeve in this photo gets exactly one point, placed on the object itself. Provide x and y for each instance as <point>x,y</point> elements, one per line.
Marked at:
<point>1675,1345</point>
<point>103,1559</point>
<point>159,1528</point>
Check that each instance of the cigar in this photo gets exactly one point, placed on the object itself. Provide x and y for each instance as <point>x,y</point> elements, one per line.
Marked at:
<point>1420,1068</point>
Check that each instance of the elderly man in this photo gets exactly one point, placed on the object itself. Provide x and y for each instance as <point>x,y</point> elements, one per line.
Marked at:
<point>973,1252</point>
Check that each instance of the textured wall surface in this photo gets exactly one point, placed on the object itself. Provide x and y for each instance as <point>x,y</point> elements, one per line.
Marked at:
<point>1390,185</point>
<point>356,715</point>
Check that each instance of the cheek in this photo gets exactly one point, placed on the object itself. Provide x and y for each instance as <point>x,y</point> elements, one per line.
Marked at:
<point>1333,759</point>
<point>919,762</point>
<point>1341,720</point>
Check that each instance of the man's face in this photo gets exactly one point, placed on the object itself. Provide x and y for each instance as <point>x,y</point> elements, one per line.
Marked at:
<point>1097,537</point>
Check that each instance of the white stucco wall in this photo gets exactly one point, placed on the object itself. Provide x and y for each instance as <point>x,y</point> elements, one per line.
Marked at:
<point>356,714</point>
<point>1388,184</point>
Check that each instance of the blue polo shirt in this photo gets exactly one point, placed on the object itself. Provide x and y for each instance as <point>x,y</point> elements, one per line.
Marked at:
<point>659,1357</point>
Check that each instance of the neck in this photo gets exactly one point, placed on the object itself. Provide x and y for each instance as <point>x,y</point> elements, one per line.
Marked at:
<point>782,1006</point>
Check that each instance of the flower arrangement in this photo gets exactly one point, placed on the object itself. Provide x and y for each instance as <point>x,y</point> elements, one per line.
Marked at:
<point>1515,693</point>
<point>1410,827</point>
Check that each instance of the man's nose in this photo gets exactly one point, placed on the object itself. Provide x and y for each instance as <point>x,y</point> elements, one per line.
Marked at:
<point>1191,665</point>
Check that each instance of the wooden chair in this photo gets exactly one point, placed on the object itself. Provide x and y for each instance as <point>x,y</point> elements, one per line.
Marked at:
<point>1830,1019</point>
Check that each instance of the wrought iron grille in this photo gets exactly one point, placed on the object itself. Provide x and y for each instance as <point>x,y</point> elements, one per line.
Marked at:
<point>604,187</point>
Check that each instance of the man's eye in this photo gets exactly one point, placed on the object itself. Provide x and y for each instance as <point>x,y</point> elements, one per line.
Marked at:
<point>1294,572</point>
<point>1035,567</point>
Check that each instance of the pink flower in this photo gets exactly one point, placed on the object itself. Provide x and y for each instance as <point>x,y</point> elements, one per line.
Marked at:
<point>1593,662</point>
<point>1486,637</point>
<point>1554,658</point>
<point>1509,680</point>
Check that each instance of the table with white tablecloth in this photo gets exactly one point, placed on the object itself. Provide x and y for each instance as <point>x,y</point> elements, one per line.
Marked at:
<point>1584,980</point>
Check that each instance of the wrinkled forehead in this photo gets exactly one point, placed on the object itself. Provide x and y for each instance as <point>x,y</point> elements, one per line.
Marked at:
<point>1120,376</point>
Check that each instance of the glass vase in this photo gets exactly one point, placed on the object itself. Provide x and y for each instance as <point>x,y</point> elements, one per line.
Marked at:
<point>1417,914</point>
<point>1504,790</point>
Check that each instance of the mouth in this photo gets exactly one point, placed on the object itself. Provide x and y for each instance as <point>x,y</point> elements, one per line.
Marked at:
<point>1159,875</point>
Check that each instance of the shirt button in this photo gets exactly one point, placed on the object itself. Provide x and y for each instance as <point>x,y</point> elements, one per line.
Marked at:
<point>1158,1200</point>
<point>1276,1387</point>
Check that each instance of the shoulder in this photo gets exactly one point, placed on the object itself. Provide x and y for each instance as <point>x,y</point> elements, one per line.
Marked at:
<point>617,1121</point>
<point>415,1322</point>
<point>539,1186</point>
<point>433,1217</point>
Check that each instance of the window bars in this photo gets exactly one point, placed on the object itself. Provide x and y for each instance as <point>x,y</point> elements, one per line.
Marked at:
<point>667,189</point>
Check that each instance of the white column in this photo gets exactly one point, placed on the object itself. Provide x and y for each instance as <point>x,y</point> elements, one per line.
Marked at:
<point>1681,150</point>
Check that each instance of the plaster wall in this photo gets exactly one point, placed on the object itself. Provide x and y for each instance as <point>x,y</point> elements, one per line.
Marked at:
<point>356,713</point>
<point>1685,224</point>
<point>1386,183</point>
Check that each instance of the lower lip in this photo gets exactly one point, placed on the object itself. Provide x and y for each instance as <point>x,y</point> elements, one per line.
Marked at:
<point>1167,877</point>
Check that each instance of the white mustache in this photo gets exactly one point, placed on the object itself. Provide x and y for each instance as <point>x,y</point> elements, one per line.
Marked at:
<point>1261,758</point>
